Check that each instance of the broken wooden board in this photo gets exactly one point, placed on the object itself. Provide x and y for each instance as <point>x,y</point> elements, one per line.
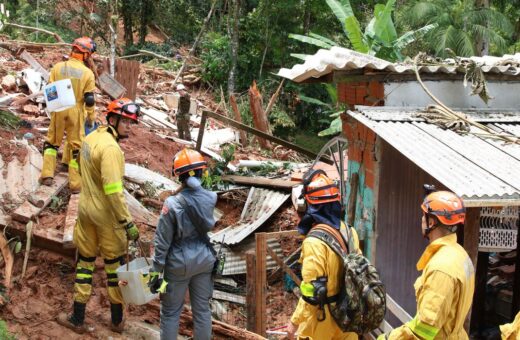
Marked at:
<point>9,260</point>
<point>70,221</point>
<point>139,212</point>
<point>35,65</point>
<point>111,86</point>
<point>261,181</point>
<point>27,211</point>
<point>158,117</point>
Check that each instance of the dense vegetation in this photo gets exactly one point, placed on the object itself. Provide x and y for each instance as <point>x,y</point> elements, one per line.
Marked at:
<point>248,40</point>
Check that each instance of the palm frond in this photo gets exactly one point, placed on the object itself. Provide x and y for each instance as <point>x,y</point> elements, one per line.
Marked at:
<point>489,35</point>
<point>491,18</point>
<point>461,43</point>
<point>310,40</point>
<point>423,13</point>
<point>314,101</point>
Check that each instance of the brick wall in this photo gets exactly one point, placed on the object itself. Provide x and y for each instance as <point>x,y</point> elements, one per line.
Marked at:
<point>362,93</point>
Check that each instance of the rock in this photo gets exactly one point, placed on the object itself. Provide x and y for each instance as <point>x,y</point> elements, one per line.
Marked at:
<point>9,83</point>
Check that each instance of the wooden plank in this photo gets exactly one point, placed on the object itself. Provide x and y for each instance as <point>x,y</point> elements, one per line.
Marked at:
<point>225,296</point>
<point>27,211</point>
<point>70,221</point>
<point>51,239</point>
<point>260,284</point>
<point>35,65</point>
<point>111,86</point>
<point>285,267</point>
<point>261,181</point>
<point>259,133</point>
<point>8,259</point>
<point>250,291</point>
<point>202,127</point>
<point>282,233</point>
<point>397,310</point>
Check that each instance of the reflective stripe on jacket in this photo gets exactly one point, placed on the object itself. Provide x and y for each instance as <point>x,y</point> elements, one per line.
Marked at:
<point>444,293</point>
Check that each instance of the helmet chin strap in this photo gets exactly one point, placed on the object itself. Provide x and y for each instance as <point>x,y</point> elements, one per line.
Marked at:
<point>116,126</point>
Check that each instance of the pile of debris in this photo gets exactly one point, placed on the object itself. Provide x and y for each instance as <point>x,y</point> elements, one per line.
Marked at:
<point>254,196</point>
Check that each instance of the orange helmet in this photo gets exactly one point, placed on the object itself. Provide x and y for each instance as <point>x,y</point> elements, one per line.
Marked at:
<point>187,160</point>
<point>85,45</point>
<point>321,189</point>
<point>446,206</point>
<point>124,107</point>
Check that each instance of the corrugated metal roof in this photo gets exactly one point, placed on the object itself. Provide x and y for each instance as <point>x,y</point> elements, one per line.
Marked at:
<point>343,59</point>
<point>260,205</point>
<point>481,171</point>
<point>236,257</point>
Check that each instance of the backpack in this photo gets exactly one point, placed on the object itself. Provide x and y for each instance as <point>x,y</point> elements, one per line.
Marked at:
<point>361,303</point>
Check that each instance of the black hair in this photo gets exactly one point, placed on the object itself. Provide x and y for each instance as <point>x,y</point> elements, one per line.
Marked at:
<point>186,175</point>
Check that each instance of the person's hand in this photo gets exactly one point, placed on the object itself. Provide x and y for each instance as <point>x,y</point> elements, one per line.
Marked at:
<point>291,330</point>
<point>132,232</point>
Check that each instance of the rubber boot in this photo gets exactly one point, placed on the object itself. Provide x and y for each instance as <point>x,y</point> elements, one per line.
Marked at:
<point>49,164</point>
<point>118,324</point>
<point>76,320</point>
<point>74,176</point>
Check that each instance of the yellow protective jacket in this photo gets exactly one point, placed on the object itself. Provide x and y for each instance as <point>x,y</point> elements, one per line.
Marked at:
<point>511,331</point>
<point>317,260</point>
<point>102,166</point>
<point>444,293</point>
<point>82,79</point>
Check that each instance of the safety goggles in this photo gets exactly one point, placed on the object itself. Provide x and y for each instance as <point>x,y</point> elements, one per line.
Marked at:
<point>132,109</point>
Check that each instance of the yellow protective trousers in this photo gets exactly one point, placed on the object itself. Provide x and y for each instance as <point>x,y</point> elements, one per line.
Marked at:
<point>92,238</point>
<point>70,121</point>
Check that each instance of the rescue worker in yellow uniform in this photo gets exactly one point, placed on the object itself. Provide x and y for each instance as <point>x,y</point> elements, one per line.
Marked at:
<point>511,331</point>
<point>323,207</point>
<point>71,120</point>
<point>444,291</point>
<point>104,223</point>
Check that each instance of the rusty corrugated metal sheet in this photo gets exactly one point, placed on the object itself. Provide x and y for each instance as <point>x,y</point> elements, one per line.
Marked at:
<point>236,256</point>
<point>260,205</point>
<point>342,59</point>
<point>454,160</point>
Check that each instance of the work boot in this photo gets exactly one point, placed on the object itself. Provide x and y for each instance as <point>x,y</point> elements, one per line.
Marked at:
<point>63,167</point>
<point>118,324</point>
<point>46,181</point>
<point>75,321</point>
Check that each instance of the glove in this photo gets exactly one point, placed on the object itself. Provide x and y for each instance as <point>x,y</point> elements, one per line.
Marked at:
<point>132,233</point>
<point>156,284</point>
<point>382,337</point>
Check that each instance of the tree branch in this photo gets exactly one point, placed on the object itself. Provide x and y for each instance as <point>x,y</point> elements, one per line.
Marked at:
<point>55,35</point>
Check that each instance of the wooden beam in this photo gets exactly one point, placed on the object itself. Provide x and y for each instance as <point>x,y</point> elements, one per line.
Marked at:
<point>283,233</point>
<point>250,291</point>
<point>471,241</point>
<point>285,267</point>
<point>9,260</point>
<point>70,221</point>
<point>261,181</point>
<point>202,126</point>
<point>27,211</point>
<point>352,199</point>
<point>260,284</point>
<point>256,132</point>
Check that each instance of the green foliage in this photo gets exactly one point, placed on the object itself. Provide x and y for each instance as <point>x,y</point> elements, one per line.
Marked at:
<point>213,180</point>
<point>380,36</point>
<point>459,26</point>
<point>57,204</point>
<point>215,55</point>
<point>4,332</point>
<point>8,120</point>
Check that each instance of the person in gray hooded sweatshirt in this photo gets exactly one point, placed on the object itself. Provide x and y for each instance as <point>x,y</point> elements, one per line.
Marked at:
<point>183,253</point>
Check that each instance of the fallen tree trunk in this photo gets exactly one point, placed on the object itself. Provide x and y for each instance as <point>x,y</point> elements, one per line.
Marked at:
<point>260,121</point>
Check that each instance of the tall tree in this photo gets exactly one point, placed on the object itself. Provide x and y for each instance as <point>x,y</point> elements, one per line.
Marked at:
<point>234,33</point>
<point>127,11</point>
<point>147,16</point>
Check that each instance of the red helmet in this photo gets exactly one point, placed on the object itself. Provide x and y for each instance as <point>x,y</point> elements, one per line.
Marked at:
<point>446,206</point>
<point>125,108</point>
<point>85,45</point>
<point>321,189</point>
<point>187,160</point>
